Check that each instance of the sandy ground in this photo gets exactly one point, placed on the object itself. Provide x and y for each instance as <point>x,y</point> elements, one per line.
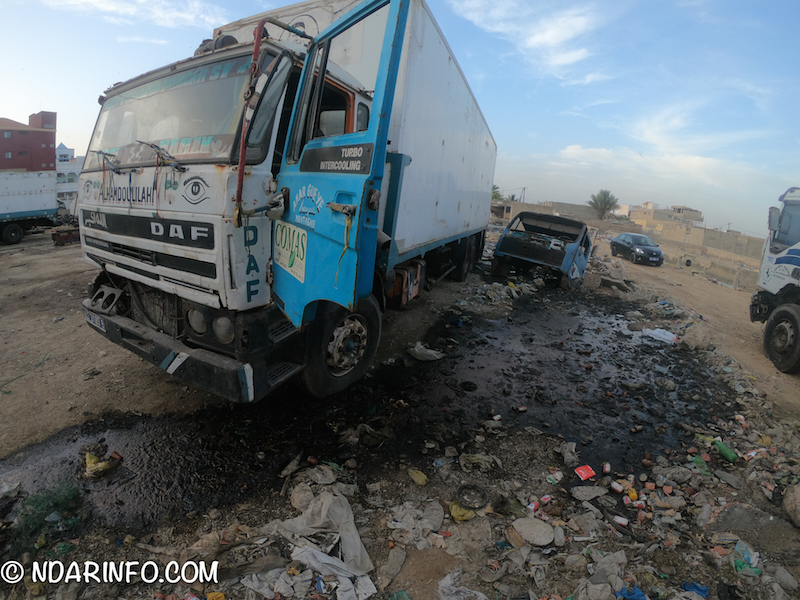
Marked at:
<point>728,315</point>
<point>56,372</point>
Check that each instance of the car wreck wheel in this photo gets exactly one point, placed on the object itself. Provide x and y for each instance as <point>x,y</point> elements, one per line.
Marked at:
<point>782,338</point>
<point>342,345</point>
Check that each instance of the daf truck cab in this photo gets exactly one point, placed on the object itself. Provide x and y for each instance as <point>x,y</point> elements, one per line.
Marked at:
<point>778,300</point>
<point>253,208</point>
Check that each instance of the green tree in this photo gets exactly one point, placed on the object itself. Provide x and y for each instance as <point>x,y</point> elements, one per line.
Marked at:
<point>496,195</point>
<point>511,198</point>
<point>603,203</point>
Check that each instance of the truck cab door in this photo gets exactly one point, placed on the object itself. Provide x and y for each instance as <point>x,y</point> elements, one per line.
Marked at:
<point>324,245</point>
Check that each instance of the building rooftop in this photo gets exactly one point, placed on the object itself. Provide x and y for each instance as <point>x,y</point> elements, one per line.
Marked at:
<point>9,125</point>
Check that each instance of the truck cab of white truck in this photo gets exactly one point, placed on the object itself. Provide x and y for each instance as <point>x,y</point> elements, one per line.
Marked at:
<point>253,208</point>
<point>778,300</point>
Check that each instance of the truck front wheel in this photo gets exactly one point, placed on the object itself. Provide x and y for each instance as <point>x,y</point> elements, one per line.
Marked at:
<point>342,347</point>
<point>12,234</point>
<point>782,338</point>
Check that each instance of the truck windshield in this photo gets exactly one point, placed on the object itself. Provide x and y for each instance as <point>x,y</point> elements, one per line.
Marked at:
<point>193,114</point>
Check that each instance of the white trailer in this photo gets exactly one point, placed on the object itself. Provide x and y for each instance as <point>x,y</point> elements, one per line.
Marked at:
<point>255,208</point>
<point>27,199</point>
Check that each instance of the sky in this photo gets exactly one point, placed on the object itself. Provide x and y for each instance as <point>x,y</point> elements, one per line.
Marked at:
<point>677,102</point>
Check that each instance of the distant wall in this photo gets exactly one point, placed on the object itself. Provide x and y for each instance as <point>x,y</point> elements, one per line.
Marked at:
<point>505,211</point>
<point>682,233</point>
<point>582,212</point>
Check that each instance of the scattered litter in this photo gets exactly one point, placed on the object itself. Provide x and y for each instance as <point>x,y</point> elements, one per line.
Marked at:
<point>422,353</point>
<point>662,335</point>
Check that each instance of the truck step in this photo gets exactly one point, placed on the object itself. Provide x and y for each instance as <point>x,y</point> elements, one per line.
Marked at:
<point>280,372</point>
<point>280,330</point>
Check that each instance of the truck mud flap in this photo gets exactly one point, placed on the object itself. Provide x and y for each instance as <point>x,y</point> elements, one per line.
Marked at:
<point>221,375</point>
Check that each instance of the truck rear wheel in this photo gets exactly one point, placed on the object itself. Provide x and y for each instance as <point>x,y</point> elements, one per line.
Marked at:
<point>343,345</point>
<point>464,256</point>
<point>782,338</point>
<point>12,234</point>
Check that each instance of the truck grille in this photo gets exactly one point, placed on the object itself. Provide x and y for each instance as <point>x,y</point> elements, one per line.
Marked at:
<point>150,257</point>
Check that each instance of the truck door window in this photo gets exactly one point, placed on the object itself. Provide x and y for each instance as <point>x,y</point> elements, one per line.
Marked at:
<point>268,105</point>
<point>343,65</point>
<point>789,232</point>
<point>362,117</point>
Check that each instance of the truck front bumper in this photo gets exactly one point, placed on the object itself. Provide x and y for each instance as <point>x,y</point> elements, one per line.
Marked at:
<point>761,305</point>
<point>221,375</point>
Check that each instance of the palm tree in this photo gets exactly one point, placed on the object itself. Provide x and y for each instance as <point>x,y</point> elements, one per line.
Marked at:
<point>496,195</point>
<point>512,198</point>
<point>604,202</point>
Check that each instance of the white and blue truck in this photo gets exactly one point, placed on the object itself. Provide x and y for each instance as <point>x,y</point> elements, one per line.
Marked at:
<point>777,301</point>
<point>27,200</point>
<point>255,208</point>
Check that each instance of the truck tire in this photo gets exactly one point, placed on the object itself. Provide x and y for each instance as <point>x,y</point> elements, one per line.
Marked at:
<point>464,256</point>
<point>342,346</point>
<point>12,234</point>
<point>782,338</point>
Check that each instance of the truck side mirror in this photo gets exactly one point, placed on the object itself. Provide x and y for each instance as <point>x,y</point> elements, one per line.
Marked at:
<point>774,218</point>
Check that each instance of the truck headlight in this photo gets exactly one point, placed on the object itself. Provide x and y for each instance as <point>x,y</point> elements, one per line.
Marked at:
<point>197,321</point>
<point>223,329</point>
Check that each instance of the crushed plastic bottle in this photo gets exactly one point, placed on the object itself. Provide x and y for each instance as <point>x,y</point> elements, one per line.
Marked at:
<point>725,452</point>
<point>701,464</point>
<point>705,515</point>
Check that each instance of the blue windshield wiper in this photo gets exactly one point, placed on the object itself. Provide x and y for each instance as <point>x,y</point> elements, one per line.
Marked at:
<point>107,156</point>
<point>165,156</point>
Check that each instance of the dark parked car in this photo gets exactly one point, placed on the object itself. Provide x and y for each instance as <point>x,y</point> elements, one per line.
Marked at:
<point>637,248</point>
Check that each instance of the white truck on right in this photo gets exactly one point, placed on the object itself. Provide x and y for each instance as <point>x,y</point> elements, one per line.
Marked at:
<point>778,300</point>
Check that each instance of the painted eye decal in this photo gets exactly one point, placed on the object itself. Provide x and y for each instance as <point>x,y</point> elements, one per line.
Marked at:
<point>195,190</point>
<point>87,188</point>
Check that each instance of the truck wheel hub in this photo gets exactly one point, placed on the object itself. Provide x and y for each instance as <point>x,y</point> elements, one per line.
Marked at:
<point>347,345</point>
<point>783,337</point>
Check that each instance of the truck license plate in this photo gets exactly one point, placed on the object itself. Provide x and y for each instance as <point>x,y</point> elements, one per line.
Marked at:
<point>95,320</point>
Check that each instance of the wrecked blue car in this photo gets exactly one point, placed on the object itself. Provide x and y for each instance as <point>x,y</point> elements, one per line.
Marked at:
<point>561,245</point>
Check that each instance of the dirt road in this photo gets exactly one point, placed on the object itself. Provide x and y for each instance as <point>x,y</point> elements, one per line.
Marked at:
<point>57,372</point>
<point>728,314</point>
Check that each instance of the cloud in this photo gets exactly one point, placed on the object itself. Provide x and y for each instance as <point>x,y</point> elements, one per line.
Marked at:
<point>659,169</point>
<point>139,40</point>
<point>181,13</point>
<point>558,59</point>
<point>117,20</point>
<point>672,130</point>
<point>551,41</point>
<point>760,96</point>
<point>725,191</point>
<point>554,31</point>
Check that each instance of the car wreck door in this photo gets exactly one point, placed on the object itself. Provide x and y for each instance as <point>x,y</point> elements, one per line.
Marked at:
<point>324,245</point>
